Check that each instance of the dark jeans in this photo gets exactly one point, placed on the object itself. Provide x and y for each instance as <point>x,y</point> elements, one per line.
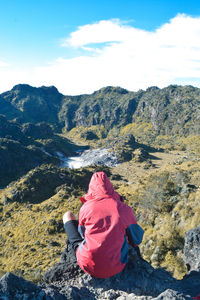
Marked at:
<point>74,237</point>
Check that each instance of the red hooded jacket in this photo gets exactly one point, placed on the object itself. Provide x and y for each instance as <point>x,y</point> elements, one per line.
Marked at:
<point>106,225</point>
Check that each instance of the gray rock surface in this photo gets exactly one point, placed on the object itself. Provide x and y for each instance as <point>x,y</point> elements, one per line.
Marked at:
<point>138,281</point>
<point>14,287</point>
<point>172,295</point>
<point>192,249</point>
<point>168,295</point>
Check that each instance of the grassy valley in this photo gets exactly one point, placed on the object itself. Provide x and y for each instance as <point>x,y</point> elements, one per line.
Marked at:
<point>156,135</point>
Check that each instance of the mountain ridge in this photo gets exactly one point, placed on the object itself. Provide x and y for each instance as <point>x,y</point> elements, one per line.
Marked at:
<point>155,133</point>
<point>171,110</point>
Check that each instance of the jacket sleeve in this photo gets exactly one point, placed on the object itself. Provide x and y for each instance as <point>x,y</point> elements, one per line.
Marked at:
<point>134,232</point>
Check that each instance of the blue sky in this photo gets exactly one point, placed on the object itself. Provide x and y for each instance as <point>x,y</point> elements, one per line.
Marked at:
<point>80,46</point>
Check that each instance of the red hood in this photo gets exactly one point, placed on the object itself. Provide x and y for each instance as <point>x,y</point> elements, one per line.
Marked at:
<point>100,187</point>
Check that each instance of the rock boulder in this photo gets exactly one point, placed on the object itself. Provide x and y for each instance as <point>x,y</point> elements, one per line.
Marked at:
<point>192,249</point>
<point>138,281</point>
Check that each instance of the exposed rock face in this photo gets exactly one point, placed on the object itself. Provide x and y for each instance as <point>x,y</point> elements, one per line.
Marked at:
<point>192,249</point>
<point>33,104</point>
<point>138,281</point>
<point>14,287</point>
<point>66,269</point>
<point>171,110</point>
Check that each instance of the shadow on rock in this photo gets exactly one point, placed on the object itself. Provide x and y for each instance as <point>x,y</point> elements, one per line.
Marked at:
<point>138,281</point>
<point>66,269</point>
<point>138,278</point>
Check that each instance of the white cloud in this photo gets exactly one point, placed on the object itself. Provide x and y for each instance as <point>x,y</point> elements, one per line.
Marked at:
<point>10,76</point>
<point>120,55</point>
<point>3,64</point>
<point>101,32</point>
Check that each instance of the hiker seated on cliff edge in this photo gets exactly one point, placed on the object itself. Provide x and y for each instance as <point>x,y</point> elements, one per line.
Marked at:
<point>106,226</point>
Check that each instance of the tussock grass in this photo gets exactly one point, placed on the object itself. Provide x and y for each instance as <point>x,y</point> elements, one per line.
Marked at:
<point>165,199</point>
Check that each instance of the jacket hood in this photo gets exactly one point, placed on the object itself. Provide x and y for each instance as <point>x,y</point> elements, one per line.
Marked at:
<point>100,187</point>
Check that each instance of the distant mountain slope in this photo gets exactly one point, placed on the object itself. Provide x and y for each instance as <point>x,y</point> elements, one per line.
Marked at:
<point>25,146</point>
<point>171,110</point>
<point>30,104</point>
<point>109,106</point>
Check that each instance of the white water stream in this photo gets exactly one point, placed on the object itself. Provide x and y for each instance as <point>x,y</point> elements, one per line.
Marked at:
<point>87,158</point>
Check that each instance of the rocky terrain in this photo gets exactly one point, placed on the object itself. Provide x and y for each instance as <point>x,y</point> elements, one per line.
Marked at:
<point>31,118</point>
<point>172,110</point>
<point>26,146</point>
<point>111,153</point>
<point>148,143</point>
<point>139,280</point>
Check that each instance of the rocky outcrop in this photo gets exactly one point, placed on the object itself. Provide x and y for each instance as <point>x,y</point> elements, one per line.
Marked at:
<point>112,153</point>
<point>138,281</point>
<point>171,110</point>
<point>14,287</point>
<point>192,249</point>
<point>123,147</point>
<point>33,104</point>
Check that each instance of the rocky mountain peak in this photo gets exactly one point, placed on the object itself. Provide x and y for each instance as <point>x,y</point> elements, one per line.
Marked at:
<point>111,89</point>
<point>21,86</point>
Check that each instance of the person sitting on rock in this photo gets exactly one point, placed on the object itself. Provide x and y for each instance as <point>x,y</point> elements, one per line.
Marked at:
<point>106,226</point>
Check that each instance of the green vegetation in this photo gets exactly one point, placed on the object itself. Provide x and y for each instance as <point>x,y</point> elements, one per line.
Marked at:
<point>31,209</point>
<point>169,111</point>
<point>25,146</point>
<point>154,133</point>
<point>166,203</point>
<point>83,134</point>
<point>143,132</point>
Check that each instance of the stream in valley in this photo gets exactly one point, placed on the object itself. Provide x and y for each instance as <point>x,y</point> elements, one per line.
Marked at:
<point>88,158</point>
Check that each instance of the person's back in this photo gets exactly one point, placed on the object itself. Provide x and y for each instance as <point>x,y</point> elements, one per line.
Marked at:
<point>105,223</point>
